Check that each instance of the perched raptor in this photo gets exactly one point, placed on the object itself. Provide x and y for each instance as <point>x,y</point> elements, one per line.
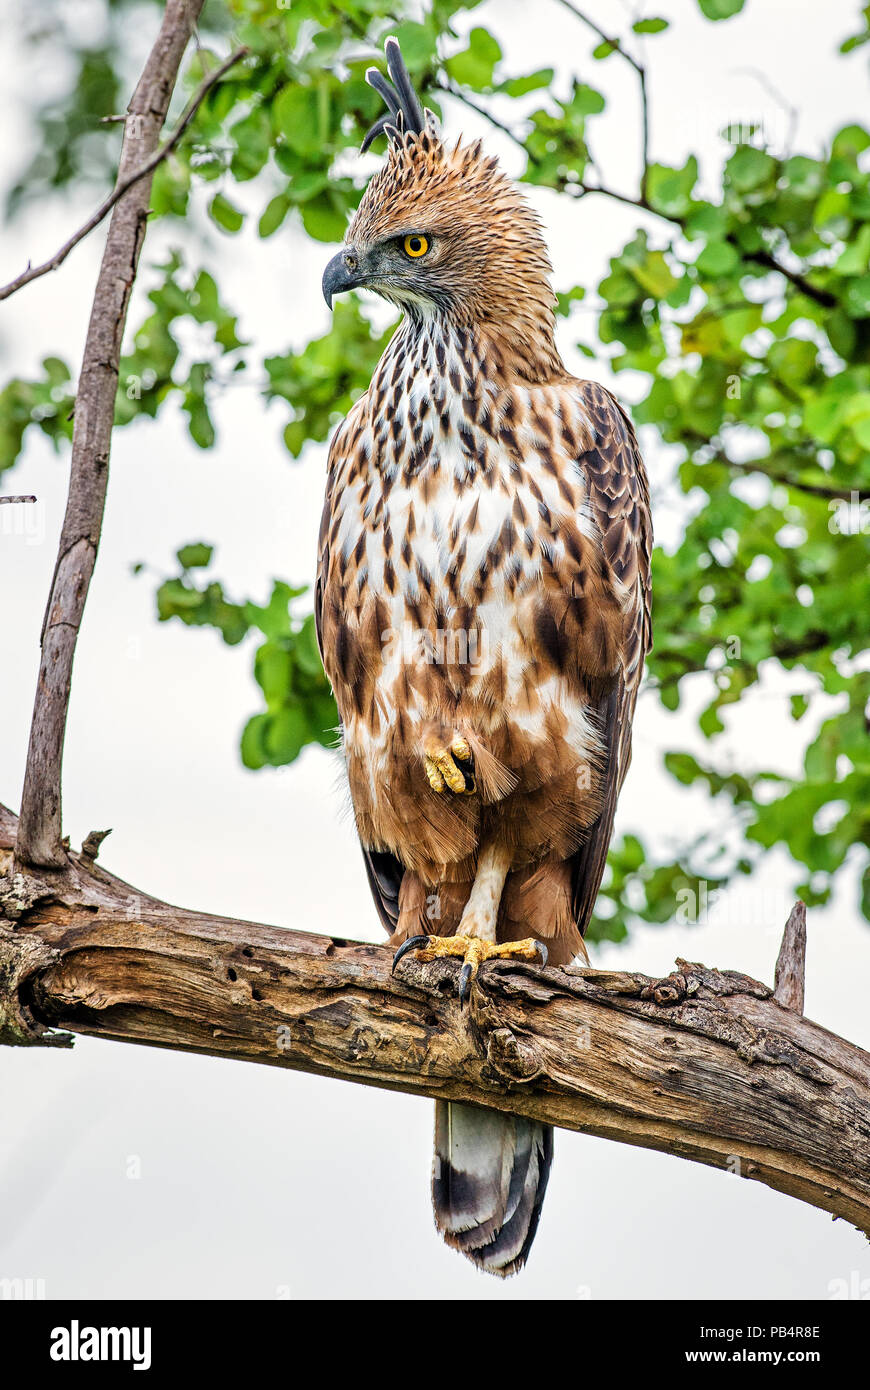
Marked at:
<point>483,612</point>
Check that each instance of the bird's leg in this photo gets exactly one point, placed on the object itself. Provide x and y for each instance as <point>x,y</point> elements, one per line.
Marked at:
<point>475,940</point>
<point>449,764</point>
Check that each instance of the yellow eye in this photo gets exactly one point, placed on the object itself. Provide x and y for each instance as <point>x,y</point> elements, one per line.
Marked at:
<point>415,245</point>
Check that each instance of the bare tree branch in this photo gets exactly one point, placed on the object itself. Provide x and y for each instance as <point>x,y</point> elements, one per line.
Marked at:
<point>124,185</point>
<point>826,298</point>
<point>777,476</point>
<point>704,1064</point>
<point>39,833</point>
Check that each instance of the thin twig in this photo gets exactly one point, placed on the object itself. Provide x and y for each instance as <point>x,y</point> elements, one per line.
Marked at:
<point>6,501</point>
<point>616,45</point>
<point>791,111</point>
<point>34,272</point>
<point>452,89</point>
<point>800,282</point>
<point>783,479</point>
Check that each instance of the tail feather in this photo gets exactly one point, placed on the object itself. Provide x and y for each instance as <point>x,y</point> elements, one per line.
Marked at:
<point>489,1179</point>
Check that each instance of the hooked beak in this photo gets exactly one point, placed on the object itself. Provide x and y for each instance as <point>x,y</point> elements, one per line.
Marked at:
<point>342,273</point>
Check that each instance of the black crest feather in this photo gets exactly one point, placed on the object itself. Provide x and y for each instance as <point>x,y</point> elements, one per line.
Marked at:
<point>404,111</point>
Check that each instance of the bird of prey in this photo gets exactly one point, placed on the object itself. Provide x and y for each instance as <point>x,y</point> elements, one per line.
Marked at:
<point>483,612</point>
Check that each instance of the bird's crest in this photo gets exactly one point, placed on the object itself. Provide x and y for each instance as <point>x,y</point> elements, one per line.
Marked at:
<point>404,112</point>
<point>492,257</point>
<point>457,181</point>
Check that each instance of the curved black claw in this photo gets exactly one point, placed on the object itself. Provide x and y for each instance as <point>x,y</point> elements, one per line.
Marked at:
<point>413,943</point>
<point>466,767</point>
<point>544,953</point>
<point>464,982</point>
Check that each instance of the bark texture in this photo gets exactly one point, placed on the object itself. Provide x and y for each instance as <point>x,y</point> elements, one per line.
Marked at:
<point>705,1064</point>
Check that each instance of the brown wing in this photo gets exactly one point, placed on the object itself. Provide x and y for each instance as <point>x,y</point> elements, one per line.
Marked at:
<point>383,870</point>
<point>619,500</point>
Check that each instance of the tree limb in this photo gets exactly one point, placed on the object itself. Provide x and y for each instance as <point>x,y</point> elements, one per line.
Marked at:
<point>124,185</point>
<point>705,1064</point>
<point>39,833</point>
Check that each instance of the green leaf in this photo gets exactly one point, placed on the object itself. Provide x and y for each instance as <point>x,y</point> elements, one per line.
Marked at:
<point>519,86</point>
<point>683,767</point>
<point>474,67</point>
<point>274,215</point>
<point>417,42</point>
<point>300,114</point>
<point>799,706</point>
<point>649,26</point>
<point>225,214</point>
<point>286,734</point>
<point>564,301</point>
<point>253,140</point>
<point>858,297</point>
<point>720,9</point>
<point>586,101</point>
<point>709,722</point>
<point>670,189</point>
<point>253,749</point>
<point>851,140</point>
<point>322,219</point>
<point>748,168</point>
<point>195,556</point>
<point>718,258</point>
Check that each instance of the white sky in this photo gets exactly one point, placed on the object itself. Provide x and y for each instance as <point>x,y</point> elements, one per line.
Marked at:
<point>258,1183</point>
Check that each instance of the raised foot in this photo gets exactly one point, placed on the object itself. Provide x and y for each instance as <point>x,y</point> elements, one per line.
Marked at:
<point>450,765</point>
<point>473,952</point>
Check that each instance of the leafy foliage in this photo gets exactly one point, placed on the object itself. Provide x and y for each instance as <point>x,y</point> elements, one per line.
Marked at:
<point>743,320</point>
<point>299,704</point>
<point>321,383</point>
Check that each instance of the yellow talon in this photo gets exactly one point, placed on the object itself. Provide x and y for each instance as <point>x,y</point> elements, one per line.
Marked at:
<point>436,781</point>
<point>441,768</point>
<point>473,951</point>
<point>451,774</point>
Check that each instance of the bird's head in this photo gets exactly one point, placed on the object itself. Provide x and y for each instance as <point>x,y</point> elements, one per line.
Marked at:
<point>440,229</point>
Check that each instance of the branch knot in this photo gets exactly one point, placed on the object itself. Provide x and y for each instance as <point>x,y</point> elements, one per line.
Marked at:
<point>515,1059</point>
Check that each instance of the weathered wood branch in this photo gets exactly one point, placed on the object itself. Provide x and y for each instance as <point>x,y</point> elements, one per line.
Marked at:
<point>705,1064</point>
<point>789,976</point>
<point>39,835</point>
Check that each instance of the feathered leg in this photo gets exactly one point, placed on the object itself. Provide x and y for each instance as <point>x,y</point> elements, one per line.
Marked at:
<point>490,1170</point>
<point>475,940</point>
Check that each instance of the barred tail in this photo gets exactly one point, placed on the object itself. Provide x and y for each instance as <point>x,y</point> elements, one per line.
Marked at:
<point>489,1179</point>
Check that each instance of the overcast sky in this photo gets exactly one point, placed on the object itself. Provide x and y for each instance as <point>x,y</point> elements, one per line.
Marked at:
<point>258,1183</point>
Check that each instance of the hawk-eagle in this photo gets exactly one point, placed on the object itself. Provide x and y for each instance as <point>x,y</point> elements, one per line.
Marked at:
<point>483,611</point>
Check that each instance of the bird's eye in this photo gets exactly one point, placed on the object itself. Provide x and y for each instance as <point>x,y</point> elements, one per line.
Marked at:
<point>415,245</point>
